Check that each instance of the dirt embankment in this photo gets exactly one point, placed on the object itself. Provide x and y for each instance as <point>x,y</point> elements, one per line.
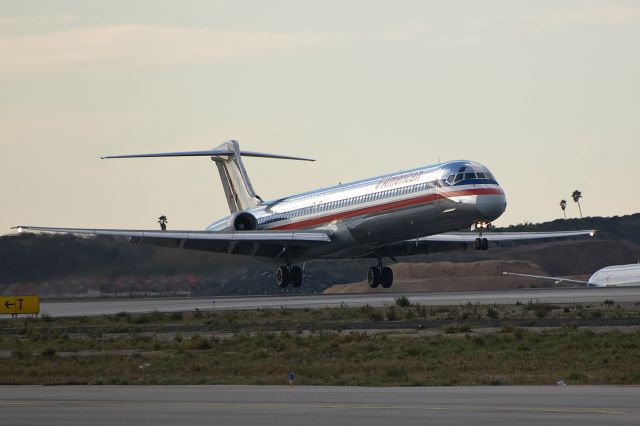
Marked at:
<point>576,259</point>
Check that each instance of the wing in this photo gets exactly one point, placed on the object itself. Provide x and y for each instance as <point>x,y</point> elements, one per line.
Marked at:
<point>557,280</point>
<point>455,240</point>
<point>470,237</point>
<point>254,243</point>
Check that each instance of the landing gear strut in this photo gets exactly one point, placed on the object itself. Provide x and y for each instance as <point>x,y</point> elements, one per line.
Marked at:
<point>286,275</point>
<point>379,275</point>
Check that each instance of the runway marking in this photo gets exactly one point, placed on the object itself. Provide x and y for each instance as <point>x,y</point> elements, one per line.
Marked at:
<point>278,405</point>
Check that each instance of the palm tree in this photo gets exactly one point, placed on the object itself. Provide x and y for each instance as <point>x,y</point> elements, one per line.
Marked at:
<point>563,206</point>
<point>576,197</point>
<point>162,220</point>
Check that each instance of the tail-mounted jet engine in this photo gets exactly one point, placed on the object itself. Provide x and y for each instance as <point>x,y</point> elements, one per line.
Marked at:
<point>243,221</point>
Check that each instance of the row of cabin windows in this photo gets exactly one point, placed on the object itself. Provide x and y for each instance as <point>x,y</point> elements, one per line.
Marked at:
<point>349,202</point>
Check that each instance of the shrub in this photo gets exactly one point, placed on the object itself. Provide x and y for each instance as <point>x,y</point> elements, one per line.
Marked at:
<point>21,354</point>
<point>492,313</point>
<point>542,309</point>
<point>376,316</point>
<point>48,352</point>
<point>391,313</point>
<point>402,301</point>
<point>176,316</point>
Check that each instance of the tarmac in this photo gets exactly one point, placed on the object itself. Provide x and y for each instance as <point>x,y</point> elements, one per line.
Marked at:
<point>542,295</point>
<point>294,405</point>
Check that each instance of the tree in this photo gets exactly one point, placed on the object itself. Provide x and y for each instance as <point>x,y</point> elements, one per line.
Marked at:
<point>576,197</point>
<point>563,206</point>
<point>162,220</point>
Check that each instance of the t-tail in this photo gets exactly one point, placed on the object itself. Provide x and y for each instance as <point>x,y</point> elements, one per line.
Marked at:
<point>228,158</point>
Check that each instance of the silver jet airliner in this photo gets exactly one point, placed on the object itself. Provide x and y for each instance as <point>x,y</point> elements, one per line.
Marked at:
<point>393,215</point>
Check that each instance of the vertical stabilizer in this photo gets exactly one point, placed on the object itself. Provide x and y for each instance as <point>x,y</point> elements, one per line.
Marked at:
<point>235,181</point>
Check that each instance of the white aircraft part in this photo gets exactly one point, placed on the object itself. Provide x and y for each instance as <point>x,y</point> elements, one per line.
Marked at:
<point>617,276</point>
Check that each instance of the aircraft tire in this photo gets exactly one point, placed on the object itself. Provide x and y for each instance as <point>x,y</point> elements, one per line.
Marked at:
<point>296,276</point>
<point>386,277</point>
<point>374,277</point>
<point>478,244</point>
<point>484,244</point>
<point>282,276</point>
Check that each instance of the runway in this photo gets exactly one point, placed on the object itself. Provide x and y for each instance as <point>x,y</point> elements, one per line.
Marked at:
<point>279,405</point>
<point>553,295</point>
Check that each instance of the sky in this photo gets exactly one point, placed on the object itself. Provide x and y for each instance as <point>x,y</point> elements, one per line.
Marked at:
<point>546,94</point>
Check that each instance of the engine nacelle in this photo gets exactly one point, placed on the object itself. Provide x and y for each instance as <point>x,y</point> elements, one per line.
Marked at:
<point>243,221</point>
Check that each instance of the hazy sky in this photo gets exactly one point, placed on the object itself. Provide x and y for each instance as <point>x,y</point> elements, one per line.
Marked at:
<point>544,93</point>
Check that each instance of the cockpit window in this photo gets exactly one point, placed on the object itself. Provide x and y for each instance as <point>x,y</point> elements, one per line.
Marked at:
<point>469,175</point>
<point>480,175</point>
<point>458,177</point>
<point>450,178</point>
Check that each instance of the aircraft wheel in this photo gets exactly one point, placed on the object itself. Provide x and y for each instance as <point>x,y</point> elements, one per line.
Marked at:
<point>386,277</point>
<point>484,244</point>
<point>478,244</point>
<point>374,277</point>
<point>282,276</point>
<point>296,276</point>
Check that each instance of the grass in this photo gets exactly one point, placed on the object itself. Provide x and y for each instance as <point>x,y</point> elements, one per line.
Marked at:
<point>111,350</point>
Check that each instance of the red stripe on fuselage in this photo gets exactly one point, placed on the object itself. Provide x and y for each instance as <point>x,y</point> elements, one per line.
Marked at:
<point>389,206</point>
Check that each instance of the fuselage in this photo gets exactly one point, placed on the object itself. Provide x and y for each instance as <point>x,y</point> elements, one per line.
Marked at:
<point>369,213</point>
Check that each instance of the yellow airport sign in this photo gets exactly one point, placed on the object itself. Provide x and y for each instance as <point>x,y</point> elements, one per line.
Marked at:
<point>19,305</point>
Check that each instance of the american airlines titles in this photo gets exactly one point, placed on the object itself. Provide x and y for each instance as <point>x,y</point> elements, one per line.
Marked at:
<point>399,180</point>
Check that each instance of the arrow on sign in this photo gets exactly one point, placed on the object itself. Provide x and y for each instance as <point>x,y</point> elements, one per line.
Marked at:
<point>7,304</point>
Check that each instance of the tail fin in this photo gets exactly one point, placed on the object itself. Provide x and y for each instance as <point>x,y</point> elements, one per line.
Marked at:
<point>228,158</point>
<point>235,181</point>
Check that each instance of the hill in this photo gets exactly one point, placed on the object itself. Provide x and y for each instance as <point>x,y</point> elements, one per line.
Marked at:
<point>71,266</point>
<point>483,270</point>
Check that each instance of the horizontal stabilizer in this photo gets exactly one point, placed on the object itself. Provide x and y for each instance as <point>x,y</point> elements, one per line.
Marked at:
<point>209,153</point>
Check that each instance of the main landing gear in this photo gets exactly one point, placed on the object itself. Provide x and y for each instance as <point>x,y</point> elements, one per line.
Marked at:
<point>288,274</point>
<point>379,275</point>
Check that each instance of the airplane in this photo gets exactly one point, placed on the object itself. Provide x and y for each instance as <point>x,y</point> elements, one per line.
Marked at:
<point>397,214</point>
<point>609,276</point>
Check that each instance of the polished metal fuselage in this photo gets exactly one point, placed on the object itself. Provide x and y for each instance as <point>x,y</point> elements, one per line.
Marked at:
<point>364,215</point>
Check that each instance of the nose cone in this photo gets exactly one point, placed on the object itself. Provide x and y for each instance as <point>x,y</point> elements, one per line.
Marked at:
<point>491,206</point>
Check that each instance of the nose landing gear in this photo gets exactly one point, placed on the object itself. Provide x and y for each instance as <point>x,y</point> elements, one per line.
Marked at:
<point>481,243</point>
